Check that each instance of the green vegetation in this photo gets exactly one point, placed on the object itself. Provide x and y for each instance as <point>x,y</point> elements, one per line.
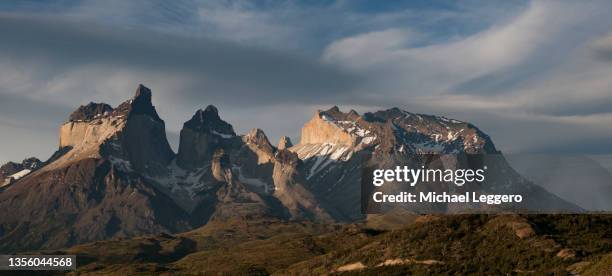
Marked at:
<point>461,244</point>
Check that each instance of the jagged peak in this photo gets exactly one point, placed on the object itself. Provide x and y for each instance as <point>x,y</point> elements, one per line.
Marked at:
<point>420,130</point>
<point>209,113</point>
<point>335,114</point>
<point>90,112</point>
<point>334,109</point>
<point>257,137</point>
<point>257,133</point>
<point>211,109</point>
<point>143,92</point>
<point>141,104</point>
<point>284,143</point>
<point>208,120</point>
<point>385,115</point>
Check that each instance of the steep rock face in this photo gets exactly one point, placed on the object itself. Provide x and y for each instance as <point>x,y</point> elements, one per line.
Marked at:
<point>284,143</point>
<point>257,140</point>
<point>96,185</point>
<point>290,188</point>
<point>133,132</point>
<point>221,167</point>
<point>322,129</point>
<point>201,135</point>
<point>254,161</point>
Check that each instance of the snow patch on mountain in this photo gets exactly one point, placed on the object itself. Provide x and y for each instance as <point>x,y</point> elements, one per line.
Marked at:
<point>222,135</point>
<point>255,182</point>
<point>15,177</point>
<point>180,182</point>
<point>321,156</point>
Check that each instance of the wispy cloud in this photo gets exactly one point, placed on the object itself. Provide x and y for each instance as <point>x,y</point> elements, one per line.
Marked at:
<point>535,75</point>
<point>539,64</point>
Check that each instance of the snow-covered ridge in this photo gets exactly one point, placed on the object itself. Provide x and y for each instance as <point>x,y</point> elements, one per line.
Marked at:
<point>351,127</point>
<point>414,133</point>
<point>322,156</point>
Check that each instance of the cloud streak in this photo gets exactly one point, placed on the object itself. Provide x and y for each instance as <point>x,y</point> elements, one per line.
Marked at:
<point>533,75</point>
<point>540,64</point>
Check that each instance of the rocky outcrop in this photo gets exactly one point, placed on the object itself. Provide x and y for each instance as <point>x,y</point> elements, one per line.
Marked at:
<point>96,185</point>
<point>258,142</point>
<point>284,143</point>
<point>11,171</point>
<point>290,188</point>
<point>201,136</point>
<point>322,128</point>
<point>132,132</point>
<point>90,112</point>
<point>221,167</point>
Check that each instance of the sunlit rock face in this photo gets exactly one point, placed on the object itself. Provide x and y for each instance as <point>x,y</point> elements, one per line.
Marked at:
<point>284,143</point>
<point>132,132</point>
<point>201,135</point>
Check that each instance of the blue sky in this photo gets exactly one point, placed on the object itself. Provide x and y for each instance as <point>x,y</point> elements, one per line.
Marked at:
<point>535,75</point>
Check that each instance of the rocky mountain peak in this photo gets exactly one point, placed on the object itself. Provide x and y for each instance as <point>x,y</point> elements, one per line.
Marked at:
<point>395,128</point>
<point>257,137</point>
<point>211,110</point>
<point>204,133</point>
<point>284,143</point>
<point>143,92</point>
<point>328,127</point>
<point>140,104</point>
<point>433,134</point>
<point>334,109</point>
<point>208,120</point>
<point>131,132</point>
<point>335,114</point>
<point>90,111</point>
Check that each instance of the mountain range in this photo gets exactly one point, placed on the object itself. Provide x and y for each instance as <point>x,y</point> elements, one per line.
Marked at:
<point>115,175</point>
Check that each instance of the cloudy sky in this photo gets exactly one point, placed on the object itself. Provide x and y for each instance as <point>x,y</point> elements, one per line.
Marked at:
<point>536,76</point>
